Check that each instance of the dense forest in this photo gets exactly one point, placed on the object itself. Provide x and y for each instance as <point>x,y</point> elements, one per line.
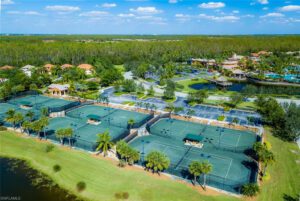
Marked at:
<point>76,49</point>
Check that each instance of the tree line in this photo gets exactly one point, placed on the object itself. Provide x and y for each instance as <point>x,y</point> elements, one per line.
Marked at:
<point>22,50</point>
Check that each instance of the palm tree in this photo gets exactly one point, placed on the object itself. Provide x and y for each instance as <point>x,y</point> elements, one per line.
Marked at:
<point>60,133</point>
<point>157,161</point>
<point>267,158</point>
<point>26,126</point>
<point>170,108</point>
<point>206,168</point>
<point>44,121</point>
<point>104,143</point>
<point>37,127</point>
<point>44,111</point>
<point>19,118</point>
<point>10,117</point>
<point>131,122</point>
<point>69,134</point>
<point>195,168</point>
<point>30,115</point>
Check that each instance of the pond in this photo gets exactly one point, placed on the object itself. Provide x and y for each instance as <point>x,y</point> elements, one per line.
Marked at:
<point>251,88</point>
<point>238,86</point>
<point>19,182</point>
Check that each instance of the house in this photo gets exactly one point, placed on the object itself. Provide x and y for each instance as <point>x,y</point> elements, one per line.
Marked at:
<point>88,69</point>
<point>27,70</point>
<point>66,66</point>
<point>7,67</point>
<point>230,65</point>
<point>235,57</point>
<point>58,89</point>
<point>238,73</point>
<point>204,62</point>
<point>49,67</point>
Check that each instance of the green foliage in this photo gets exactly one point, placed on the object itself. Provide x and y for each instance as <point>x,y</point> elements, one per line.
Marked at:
<point>150,91</point>
<point>104,143</point>
<point>92,85</point>
<point>236,99</point>
<point>169,92</point>
<point>129,86</point>
<point>49,148</point>
<point>197,97</point>
<point>157,161</point>
<point>56,168</point>
<point>127,153</point>
<point>250,189</point>
<point>122,195</point>
<point>195,168</point>
<point>221,118</point>
<point>2,128</point>
<point>80,186</point>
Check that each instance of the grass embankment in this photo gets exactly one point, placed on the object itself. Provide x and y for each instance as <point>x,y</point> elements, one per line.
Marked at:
<point>102,177</point>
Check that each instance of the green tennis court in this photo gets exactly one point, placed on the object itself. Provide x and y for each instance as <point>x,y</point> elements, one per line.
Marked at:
<point>38,101</point>
<point>213,135</point>
<point>4,107</point>
<point>230,168</point>
<point>110,116</point>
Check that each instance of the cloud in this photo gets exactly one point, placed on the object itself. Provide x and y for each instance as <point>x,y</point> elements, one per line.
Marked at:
<point>23,13</point>
<point>60,8</point>
<point>128,15</point>
<point>146,10</point>
<point>263,1</point>
<point>173,1</point>
<point>108,5</point>
<point>228,18</point>
<point>235,11</point>
<point>290,8</point>
<point>94,14</point>
<point>248,16</point>
<point>273,15</point>
<point>212,5</point>
<point>6,2</point>
<point>265,8</point>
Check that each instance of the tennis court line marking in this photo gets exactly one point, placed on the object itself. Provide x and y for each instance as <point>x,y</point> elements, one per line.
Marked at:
<point>236,144</point>
<point>228,168</point>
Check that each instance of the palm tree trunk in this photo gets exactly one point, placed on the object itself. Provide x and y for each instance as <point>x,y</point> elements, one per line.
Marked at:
<point>70,142</point>
<point>194,180</point>
<point>204,183</point>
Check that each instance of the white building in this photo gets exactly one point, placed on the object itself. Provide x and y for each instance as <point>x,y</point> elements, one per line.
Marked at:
<point>27,70</point>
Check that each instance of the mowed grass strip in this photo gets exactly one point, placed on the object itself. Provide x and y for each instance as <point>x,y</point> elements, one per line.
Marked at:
<point>102,177</point>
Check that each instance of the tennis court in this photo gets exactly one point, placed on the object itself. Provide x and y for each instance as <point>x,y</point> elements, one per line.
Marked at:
<point>213,135</point>
<point>84,134</point>
<point>222,147</point>
<point>38,101</point>
<point>4,107</point>
<point>110,116</point>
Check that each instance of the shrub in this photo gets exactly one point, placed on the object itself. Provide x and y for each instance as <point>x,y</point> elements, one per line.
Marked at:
<point>122,163</point>
<point>56,168</point>
<point>221,118</point>
<point>122,195</point>
<point>80,186</point>
<point>49,147</point>
<point>250,189</point>
<point>2,128</point>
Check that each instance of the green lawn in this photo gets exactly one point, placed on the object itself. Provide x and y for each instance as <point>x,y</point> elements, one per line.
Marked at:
<point>187,83</point>
<point>284,172</point>
<point>102,177</point>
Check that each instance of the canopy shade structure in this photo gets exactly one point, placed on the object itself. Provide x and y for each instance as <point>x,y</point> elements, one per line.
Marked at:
<point>94,117</point>
<point>26,103</point>
<point>193,137</point>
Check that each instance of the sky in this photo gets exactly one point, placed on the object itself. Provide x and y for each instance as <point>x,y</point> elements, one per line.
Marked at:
<point>217,17</point>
